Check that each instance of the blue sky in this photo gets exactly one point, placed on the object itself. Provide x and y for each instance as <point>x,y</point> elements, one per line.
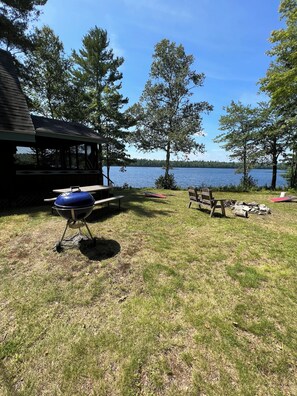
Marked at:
<point>228,39</point>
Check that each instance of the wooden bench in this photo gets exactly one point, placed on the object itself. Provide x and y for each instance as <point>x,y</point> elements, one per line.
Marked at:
<point>110,199</point>
<point>205,198</point>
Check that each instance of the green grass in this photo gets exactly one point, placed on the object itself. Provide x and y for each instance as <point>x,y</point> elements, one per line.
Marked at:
<point>170,302</point>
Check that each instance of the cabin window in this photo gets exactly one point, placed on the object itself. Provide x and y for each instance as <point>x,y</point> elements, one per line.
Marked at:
<point>25,158</point>
<point>78,157</point>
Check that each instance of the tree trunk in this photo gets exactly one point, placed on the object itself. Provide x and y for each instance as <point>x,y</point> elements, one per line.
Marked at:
<point>294,172</point>
<point>274,166</point>
<point>107,164</point>
<point>245,170</point>
<point>274,172</point>
<point>167,161</point>
<point>100,162</point>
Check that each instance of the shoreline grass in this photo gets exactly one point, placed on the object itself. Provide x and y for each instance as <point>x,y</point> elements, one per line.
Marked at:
<point>169,302</point>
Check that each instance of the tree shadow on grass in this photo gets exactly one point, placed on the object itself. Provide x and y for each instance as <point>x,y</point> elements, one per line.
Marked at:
<point>102,249</point>
<point>158,206</point>
<point>216,213</point>
<point>32,211</point>
<point>103,213</point>
<point>134,200</point>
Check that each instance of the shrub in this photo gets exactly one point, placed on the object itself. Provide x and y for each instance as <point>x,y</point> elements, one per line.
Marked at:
<point>166,182</point>
<point>247,183</point>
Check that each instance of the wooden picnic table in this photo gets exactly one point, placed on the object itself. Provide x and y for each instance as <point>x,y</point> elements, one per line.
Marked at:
<point>94,188</point>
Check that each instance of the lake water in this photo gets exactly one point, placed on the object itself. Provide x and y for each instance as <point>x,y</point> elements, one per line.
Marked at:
<point>139,177</point>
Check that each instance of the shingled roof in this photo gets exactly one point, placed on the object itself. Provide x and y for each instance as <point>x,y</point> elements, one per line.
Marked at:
<point>57,129</point>
<point>15,120</point>
<point>16,123</point>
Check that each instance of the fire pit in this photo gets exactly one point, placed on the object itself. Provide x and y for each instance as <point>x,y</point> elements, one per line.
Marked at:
<point>74,206</point>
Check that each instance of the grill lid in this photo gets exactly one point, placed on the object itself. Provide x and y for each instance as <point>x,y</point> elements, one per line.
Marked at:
<point>75,199</point>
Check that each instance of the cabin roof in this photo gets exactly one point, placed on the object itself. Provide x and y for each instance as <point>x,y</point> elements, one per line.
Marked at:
<point>52,128</point>
<point>16,123</point>
<point>15,120</point>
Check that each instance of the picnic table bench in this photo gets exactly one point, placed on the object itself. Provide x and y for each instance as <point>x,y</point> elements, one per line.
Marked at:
<point>205,198</point>
<point>110,199</point>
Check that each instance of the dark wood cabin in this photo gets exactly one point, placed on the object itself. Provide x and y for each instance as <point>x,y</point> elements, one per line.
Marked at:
<point>38,154</point>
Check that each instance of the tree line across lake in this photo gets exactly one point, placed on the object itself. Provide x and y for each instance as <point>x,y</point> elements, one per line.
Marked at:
<point>23,159</point>
<point>194,164</point>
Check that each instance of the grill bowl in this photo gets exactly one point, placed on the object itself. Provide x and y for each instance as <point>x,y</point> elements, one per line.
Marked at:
<point>75,205</point>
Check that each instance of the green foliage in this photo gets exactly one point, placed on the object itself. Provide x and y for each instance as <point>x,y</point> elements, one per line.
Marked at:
<point>291,160</point>
<point>183,164</point>
<point>15,17</point>
<point>280,82</point>
<point>96,75</point>
<point>271,136</point>
<point>167,119</point>
<point>240,122</point>
<point>281,77</point>
<point>47,78</point>
<point>247,183</point>
<point>196,164</point>
<point>167,182</point>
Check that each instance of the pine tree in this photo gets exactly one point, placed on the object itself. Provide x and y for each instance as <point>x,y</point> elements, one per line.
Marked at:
<point>96,74</point>
<point>240,122</point>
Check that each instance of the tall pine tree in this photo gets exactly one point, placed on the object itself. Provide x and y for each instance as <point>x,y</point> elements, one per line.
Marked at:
<point>96,73</point>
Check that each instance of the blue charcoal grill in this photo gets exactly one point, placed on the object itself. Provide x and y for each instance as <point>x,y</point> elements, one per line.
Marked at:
<point>75,206</point>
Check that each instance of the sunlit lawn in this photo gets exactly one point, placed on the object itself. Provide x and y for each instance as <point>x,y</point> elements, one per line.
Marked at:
<point>169,302</point>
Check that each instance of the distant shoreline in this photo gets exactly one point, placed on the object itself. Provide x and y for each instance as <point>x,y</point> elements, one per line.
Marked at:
<point>195,164</point>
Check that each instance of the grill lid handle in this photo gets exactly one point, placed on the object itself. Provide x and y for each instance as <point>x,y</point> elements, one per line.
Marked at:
<point>75,188</point>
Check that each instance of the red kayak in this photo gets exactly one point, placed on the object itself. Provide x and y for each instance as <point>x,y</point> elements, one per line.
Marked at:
<point>154,195</point>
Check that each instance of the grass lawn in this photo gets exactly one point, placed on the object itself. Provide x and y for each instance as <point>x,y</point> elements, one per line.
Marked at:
<point>169,302</point>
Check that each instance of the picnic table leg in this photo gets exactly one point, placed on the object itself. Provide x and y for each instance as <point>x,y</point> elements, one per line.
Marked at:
<point>223,209</point>
<point>213,208</point>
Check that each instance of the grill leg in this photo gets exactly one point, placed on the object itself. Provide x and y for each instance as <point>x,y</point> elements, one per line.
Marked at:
<point>67,224</point>
<point>87,227</point>
<point>59,247</point>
